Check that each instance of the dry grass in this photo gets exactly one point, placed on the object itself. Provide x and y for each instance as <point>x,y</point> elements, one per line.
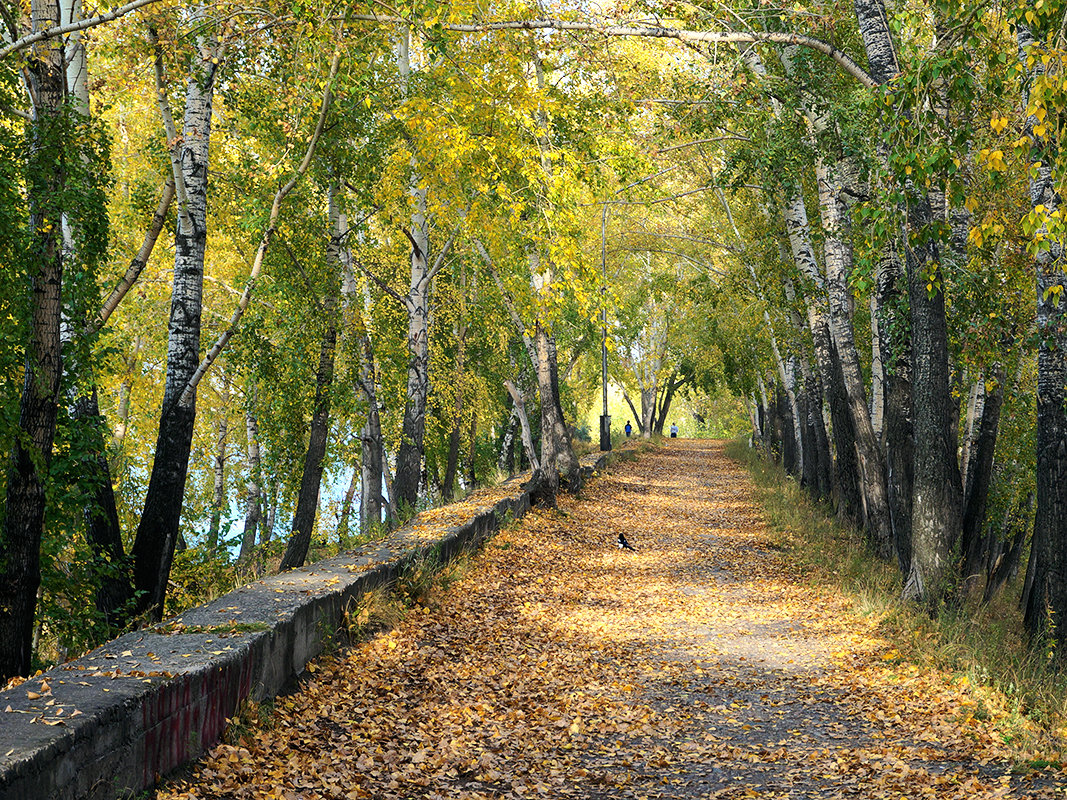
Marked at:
<point>982,644</point>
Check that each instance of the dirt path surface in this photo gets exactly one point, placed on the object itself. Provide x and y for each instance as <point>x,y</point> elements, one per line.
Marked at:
<point>700,666</point>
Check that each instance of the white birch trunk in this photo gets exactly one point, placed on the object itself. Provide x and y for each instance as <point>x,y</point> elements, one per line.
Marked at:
<point>877,374</point>
<point>417,305</point>
<point>253,487</point>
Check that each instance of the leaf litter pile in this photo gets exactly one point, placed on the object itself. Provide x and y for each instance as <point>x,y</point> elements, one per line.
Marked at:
<point>700,666</point>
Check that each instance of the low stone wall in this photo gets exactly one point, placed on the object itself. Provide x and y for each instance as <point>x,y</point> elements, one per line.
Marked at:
<point>108,725</point>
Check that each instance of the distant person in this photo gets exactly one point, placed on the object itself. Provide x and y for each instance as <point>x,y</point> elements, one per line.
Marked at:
<point>674,430</point>
<point>628,429</point>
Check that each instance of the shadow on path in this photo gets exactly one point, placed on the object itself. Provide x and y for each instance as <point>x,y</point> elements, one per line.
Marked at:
<point>700,666</point>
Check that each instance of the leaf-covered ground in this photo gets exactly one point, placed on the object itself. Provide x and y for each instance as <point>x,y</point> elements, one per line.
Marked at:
<point>700,666</point>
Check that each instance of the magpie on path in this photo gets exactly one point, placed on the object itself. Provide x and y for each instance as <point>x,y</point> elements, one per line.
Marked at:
<point>624,545</point>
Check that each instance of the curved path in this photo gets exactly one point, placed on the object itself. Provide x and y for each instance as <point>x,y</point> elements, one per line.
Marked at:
<point>700,666</point>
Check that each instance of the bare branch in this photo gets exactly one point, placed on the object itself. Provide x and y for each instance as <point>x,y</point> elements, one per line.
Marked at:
<point>72,27</point>
<point>646,179</point>
<point>698,142</point>
<point>700,240</point>
<point>512,311</point>
<point>527,438</point>
<point>702,264</point>
<point>171,131</point>
<point>257,265</point>
<point>659,200</point>
<point>16,112</point>
<point>385,287</point>
<point>655,32</point>
<point>440,260</point>
<point>137,265</point>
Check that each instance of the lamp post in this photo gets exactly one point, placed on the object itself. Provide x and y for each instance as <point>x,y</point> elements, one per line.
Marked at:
<point>605,418</point>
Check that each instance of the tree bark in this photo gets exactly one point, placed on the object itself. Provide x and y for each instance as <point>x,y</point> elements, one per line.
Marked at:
<point>936,519</point>
<point>505,460</point>
<point>674,382</point>
<point>845,490</point>
<point>218,494</point>
<point>793,451</point>
<point>648,408</point>
<point>343,525</point>
<point>868,454</point>
<point>1046,609</point>
<point>372,446</point>
<point>633,410</point>
<point>895,345</point>
<point>448,485</point>
<point>253,485</point>
<point>157,533</point>
<point>372,453</point>
<point>848,496</point>
<point>936,491</point>
<point>417,305</point>
<point>20,539</point>
<point>524,421</point>
<point>979,478</point>
<point>559,466</point>
<point>102,528</point>
<point>307,503</point>
<point>472,451</point>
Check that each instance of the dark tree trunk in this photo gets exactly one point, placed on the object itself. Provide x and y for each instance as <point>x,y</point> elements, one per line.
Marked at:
<point>372,452</point>
<point>937,500</point>
<point>307,503</point>
<point>20,539</point>
<point>218,494</point>
<point>472,452</point>
<point>448,485</point>
<point>253,486</point>
<point>846,469</point>
<point>936,489</point>
<point>895,344</point>
<point>810,477</point>
<point>505,460</point>
<point>672,386</point>
<point>1005,566</point>
<point>1046,602</point>
<point>559,466</point>
<point>102,528</point>
<point>790,460</point>
<point>103,531</point>
<point>979,477</point>
<point>822,444</point>
<point>157,533</point>
<point>630,403</point>
<point>343,524</point>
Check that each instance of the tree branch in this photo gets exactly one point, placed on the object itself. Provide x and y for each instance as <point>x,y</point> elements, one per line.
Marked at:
<point>257,265</point>
<point>655,32</point>
<point>171,131</point>
<point>72,27</point>
<point>137,265</point>
<point>385,287</point>
<point>440,260</point>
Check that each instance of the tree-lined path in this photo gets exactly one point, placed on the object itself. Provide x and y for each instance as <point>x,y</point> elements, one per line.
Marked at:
<point>702,665</point>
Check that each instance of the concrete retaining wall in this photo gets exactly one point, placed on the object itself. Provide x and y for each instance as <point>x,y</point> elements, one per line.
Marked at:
<point>108,725</point>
